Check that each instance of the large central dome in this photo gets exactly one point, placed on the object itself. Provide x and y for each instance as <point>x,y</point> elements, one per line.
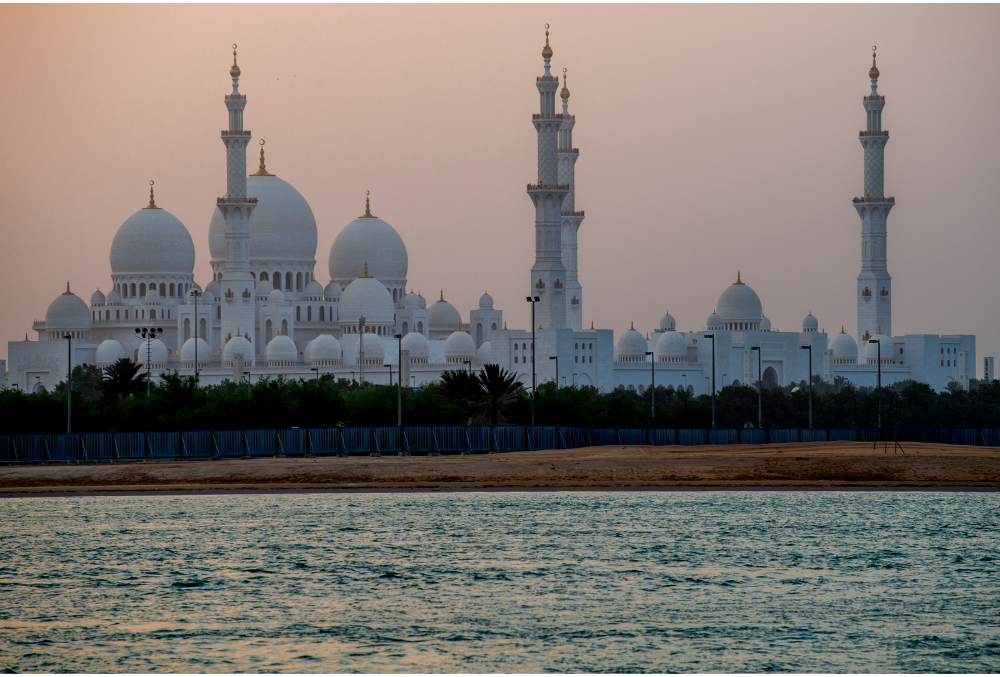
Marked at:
<point>372,240</point>
<point>153,241</point>
<point>282,226</point>
<point>739,303</point>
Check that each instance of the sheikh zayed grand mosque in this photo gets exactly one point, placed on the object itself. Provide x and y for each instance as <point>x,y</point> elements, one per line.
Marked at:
<point>264,313</point>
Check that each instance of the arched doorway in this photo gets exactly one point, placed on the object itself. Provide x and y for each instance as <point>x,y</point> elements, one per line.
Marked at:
<point>770,377</point>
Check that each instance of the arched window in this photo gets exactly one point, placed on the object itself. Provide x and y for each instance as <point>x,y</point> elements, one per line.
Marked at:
<point>163,289</point>
<point>493,326</point>
<point>298,282</point>
<point>218,313</point>
<point>126,313</point>
<point>284,327</point>
<point>420,327</point>
<point>322,313</point>
<point>263,276</point>
<point>268,331</point>
<point>288,281</point>
<point>187,328</point>
<point>142,289</point>
<point>406,327</point>
<point>298,313</point>
<point>395,298</point>
<point>203,327</point>
<point>479,333</point>
<point>171,288</point>
<point>132,293</point>
<point>107,314</point>
<point>276,280</point>
<point>118,315</point>
<point>309,313</point>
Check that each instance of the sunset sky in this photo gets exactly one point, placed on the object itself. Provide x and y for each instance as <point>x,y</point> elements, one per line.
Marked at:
<point>713,138</point>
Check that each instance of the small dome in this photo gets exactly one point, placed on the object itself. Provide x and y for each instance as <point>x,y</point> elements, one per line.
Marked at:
<point>667,322</point>
<point>237,344</point>
<point>442,316</point>
<point>417,344</point>
<point>187,350</point>
<point>843,345</point>
<point>714,321</point>
<point>324,347</point>
<point>152,296</point>
<point>114,298</point>
<point>263,288</point>
<point>366,296</point>
<point>374,348</point>
<point>370,240</point>
<point>314,289</point>
<point>810,323</point>
<point>158,353</point>
<point>765,324</point>
<point>276,296</point>
<point>546,50</point>
<point>884,344</point>
<point>281,349</point>
<point>109,352</point>
<point>152,241</point>
<point>632,344</point>
<point>739,303</point>
<point>423,302</point>
<point>411,301</point>
<point>671,344</point>
<point>332,292</point>
<point>485,354</point>
<point>486,302</point>
<point>213,288</point>
<point>459,346</point>
<point>67,311</point>
<point>97,298</point>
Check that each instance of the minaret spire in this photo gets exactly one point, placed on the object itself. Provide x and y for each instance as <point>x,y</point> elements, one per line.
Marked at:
<point>548,275</point>
<point>874,282</point>
<point>571,218</point>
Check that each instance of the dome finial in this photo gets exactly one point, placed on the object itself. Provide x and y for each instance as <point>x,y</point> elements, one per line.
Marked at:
<point>365,274</point>
<point>368,211</point>
<point>632,328</point>
<point>546,51</point>
<point>873,73</point>
<point>591,324</point>
<point>237,331</point>
<point>842,329</point>
<point>565,90</point>
<point>262,170</point>
<point>442,295</point>
<point>25,336</point>
<point>738,280</point>
<point>67,289</point>
<point>152,204</point>
<point>235,70</point>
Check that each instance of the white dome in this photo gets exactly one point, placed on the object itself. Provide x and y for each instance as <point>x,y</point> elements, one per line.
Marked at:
<point>158,353</point>
<point>667,322</point>
<point>810,323</point>
<point>485,353</point>
<point>314,288</point>
<point>67,311</point>
<point>442,316</point>
<point>324,347</point>
<point>332,292</point>
<point>281,349</point>
<point>423,301</point>
<point>187,350</point>
<point>765,324</point>
<point>152,296</point>
<point>671,344</point>
<point>213,288</point>
<point>884,344</point>
<point>152,241</point>
<point>114,297</point>
<point>372,240</point>
<point>374,348</point>
<point>109,352</point>
<point>714,321</point>
<point>485,302</point>
<point>282,226</point>
<point>366,296</point>
<point>843,345</point>
<point>237,344</point>
<point>417,344</point>
<point>632,344</point>
<point>97,298</point>
<point>263,288</point>
<point>459,346</point>
<point>739,302</point>
<point>411,301</point>
<point>276,296</point>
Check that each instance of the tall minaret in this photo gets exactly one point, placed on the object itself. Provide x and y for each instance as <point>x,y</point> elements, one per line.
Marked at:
<point>548,275</point>
<point>570,219</point>
<point>874,283</point>
<point>237,283</point>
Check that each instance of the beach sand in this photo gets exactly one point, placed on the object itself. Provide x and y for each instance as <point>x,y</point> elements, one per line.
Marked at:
<point>820,465</point>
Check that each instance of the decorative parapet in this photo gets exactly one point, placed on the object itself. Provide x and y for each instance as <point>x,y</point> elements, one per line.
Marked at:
<point>231,132</point>
<point>877,97</point>
<point>869,198</point>
<point>246,293</point>
<point>236,200</point>
<point>229,293</point>
<point>575,301</point>
<point>546,78</point>
<point>884,132</point>
<point>579,213</point>
<point>557,285</point>
<point>539,285</point>
<point>552,116</point>
<point>548,186</point>
<point>570,150</point>
<point>230,97</point>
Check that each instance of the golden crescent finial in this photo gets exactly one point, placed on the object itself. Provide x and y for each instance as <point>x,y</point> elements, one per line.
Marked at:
<point>152,204</point>
<point>261,168</point>
<point>368,211</point>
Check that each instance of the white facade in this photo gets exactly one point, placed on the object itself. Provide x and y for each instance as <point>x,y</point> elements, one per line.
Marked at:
<point>263,311</point>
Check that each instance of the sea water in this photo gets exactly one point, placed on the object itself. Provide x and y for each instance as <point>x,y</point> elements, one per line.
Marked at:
<point>502,582</point>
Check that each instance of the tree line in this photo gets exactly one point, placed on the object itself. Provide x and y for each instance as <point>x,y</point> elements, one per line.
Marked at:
<point>119,398</point>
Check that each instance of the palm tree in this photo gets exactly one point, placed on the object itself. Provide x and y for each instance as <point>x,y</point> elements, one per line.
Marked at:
<point>499,390</point>
<point>459,386</point>
<point>122,378</point>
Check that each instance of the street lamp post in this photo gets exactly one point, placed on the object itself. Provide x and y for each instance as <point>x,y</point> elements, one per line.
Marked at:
<point>556,358</point>
<point>399,393</point>
<point>532,300</point>
<point>712,336</point>
<point>810,349</point>
<point>361,350</point>
<point>148,335</point>
<point>69,383</point>
<point>468,362</point>
<point>315,369</point>
<point>652,385</point>
<point>760,387</point>
<point>878,402</point>
<point>196,294</point>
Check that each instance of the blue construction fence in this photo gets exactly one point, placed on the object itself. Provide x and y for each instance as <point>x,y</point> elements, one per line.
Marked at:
<point>430,440</point>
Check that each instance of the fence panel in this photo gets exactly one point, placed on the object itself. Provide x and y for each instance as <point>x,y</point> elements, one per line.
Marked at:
<point>633,436</point>
<point>543,437</point>
<point>603,437</point>
<point>724,435</point>
<point>509,437</point>
<point>990,437</point>
<point>663,437</point>
<point>325,441</point>
<point>969,436</point>
<point>230,443</point>
<point>692,437</point>
<point>782,435</point>
<point>843,435</point>
<point>387,439</point>
<point>480,438</point>
<point>130,446</point>
<point>294,441</point>
<point>197,444</point>
<point>450,439</point>
<point>164,445</point>
<point>752,436</point>
<point>573,438</point>
<point>812,434</point>
<point>907,434</point>
<point>356,440</point>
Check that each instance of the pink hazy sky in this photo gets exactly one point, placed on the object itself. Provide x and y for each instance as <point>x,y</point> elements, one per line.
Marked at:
<point>713,138</point>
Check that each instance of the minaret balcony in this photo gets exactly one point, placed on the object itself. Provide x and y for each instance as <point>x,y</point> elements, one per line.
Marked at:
<point>230,97</point>
<point>879,133</point>
<point>579,213</point>
<point>877,97</point>
<point>570,150</point>
<point>235,200</point>
<point>552,116</point>
<point>871,198</point>
<point>548,186</point>
<point>233,132</point>
<point>546,78</point>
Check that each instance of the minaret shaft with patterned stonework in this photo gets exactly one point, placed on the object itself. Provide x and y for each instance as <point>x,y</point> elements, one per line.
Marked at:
<point>237,283</point>
<point>874,283</point>
<point>571,218</point>
<point>548,275</point>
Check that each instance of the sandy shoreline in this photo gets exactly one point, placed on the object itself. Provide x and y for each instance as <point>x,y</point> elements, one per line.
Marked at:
<point>812,466</point>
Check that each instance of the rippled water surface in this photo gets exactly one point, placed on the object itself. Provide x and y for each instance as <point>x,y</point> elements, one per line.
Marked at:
<point>502,582</point>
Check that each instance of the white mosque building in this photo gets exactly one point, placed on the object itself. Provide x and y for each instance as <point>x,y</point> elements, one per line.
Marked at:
<point>264,314</point>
